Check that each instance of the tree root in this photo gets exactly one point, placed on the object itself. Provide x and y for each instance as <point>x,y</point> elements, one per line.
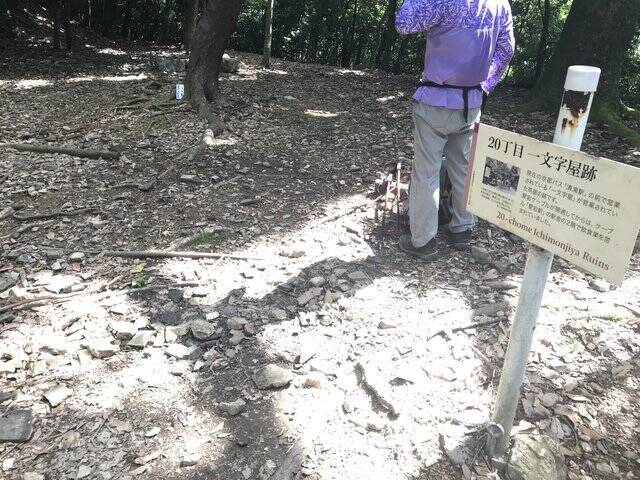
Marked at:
<point>613,120</point>
<point>74,152</point>
<point>46,216</point>
<point>57,299</point>
<point>164,254</point>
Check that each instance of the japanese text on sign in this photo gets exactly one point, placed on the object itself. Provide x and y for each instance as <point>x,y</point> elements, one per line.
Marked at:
<point>582,208</point>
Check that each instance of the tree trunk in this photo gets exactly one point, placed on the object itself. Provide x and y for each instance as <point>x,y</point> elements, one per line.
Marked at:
<point>268,34</point>
<point>397,65</point>
<point>192,8</point>
<point>68,34</point>
<point>167,18</point>
<point>109,14</point>
<point>126,20</point>
<point>55,13</point>
<point>209,42</point>
<point>347,48</point>
<point>88,9</point>
<point>383,57</point>
<point>544,37</point>
<point>597,33</point>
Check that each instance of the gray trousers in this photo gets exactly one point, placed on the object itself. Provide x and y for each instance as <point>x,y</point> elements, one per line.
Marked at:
<point>439,131</point>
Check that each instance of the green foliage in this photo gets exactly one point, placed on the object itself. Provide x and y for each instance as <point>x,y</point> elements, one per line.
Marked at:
<point>528,17</point>
<point>630,82</point>
<point>333,32</point>
<point>319,31</point>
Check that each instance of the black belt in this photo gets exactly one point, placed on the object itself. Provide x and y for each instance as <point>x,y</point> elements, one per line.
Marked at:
<point>465,94</point>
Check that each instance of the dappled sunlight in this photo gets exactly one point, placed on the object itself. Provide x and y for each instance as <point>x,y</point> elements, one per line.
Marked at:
<point>112,51</point>
<point>29,84</point>
<point>275,71</point>
<point>346,72</point>
<point>390,97</point>
<point>423,372</point>
<point>107,78</point>
<point>321,113</point>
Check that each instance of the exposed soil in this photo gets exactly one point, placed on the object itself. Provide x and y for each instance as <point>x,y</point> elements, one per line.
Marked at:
<point>376,389</point>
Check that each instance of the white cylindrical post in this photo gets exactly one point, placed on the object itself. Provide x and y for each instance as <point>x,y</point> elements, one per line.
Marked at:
<point>580,87</point>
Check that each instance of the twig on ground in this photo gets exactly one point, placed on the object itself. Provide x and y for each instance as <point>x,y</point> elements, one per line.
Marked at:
<point>185,241</point>
<point>60,213</point>
<point>339,215</point>
<point>164,254</point>
<point>471,326</point>
<point>56,299</point>
<point>227,182</point>
<point>74,152</point>
<point>635,312</point>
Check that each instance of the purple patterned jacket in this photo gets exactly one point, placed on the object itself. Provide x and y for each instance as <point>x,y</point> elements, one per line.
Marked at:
<point>469,42</point>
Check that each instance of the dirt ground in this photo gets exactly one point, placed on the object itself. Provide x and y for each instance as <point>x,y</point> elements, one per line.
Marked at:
<point>365,379</point>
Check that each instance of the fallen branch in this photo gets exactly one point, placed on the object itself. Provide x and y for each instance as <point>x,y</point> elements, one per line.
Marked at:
<point>339,215</point>
<point>471,326</point>
<point>186,241</point>
<point>162,254</point>
<point>57,299</point>
<point>636,313</point>
<point>227,182</point>
<point>74,152</point>
<point>60,213</point>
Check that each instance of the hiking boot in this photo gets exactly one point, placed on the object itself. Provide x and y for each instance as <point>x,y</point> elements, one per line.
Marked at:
<point>459,240</point>
<point>427,253</point>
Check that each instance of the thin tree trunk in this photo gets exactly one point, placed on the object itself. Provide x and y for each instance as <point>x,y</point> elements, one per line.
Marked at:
<point>268,34</point>
<point>55,13</point>
<point>347,47</point>
<point>167,18</point>
<point>397,65</point>
<point>87,14</point>
<point>209,42</point>
<point>68,34</point>
<point>383,57</point>
<point>126,20</point>
<point>544,37</point>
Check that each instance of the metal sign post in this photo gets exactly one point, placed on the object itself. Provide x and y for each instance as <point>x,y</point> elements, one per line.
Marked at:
<point>580,86</point>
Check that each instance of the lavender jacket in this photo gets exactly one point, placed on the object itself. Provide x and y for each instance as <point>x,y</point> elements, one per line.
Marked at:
<point>469,42</point>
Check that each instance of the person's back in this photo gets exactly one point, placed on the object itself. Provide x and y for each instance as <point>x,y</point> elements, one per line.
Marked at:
<point>469,46</point>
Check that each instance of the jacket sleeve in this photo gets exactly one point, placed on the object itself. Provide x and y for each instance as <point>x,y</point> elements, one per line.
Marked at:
<point>505,48</point>
<point>417,16</point>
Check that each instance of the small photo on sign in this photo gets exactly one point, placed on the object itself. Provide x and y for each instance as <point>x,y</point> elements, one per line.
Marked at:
<point>502,176</point>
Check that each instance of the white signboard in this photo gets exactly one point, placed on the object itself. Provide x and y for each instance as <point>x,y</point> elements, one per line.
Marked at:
<point>584,209</point>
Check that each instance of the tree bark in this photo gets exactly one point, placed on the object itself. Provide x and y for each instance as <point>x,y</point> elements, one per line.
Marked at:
<point>209,42</point>
<point>544,38</point>
<point>383,57</point>
<point>192,8</point>
<point>268,34</point>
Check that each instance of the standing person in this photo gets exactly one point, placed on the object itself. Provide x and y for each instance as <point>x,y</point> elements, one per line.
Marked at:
<point>469,46</point>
